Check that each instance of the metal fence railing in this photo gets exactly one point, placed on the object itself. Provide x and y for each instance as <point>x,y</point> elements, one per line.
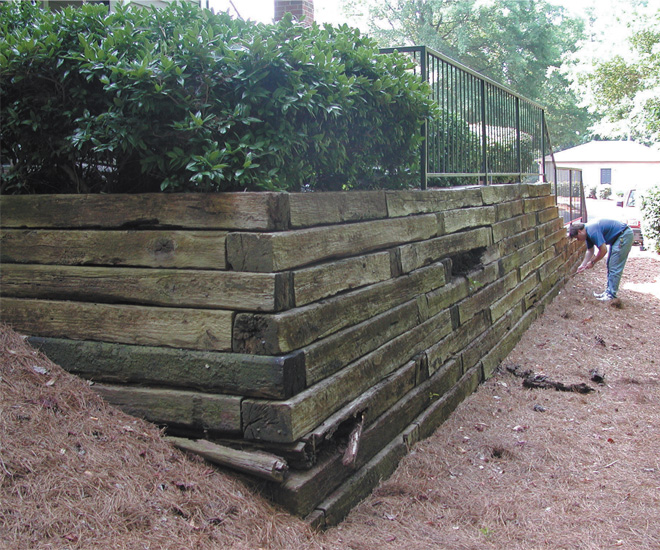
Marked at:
<point>486,133</point>
<point>568,187</point>
<point>569,191</point>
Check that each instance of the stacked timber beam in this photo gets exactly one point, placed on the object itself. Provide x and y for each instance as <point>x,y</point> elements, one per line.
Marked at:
<point>320,334</point>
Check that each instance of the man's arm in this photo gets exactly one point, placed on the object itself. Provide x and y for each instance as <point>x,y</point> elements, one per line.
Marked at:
<point>587,260</point>
<point>590,259</point>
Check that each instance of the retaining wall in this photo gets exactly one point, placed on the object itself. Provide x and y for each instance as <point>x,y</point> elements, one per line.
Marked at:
<point>331,331</point>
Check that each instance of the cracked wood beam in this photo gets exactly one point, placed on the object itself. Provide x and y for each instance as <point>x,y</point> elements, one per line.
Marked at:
<point>257,463</point>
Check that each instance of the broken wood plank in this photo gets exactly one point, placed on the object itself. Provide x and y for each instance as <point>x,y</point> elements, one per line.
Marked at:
<point>353,446</point>
<point>247,211</point>
<point>302,491</point>
<point>298,455</point>
<point>201,289</point>
<point>287,421</point>
<point>256,463</point>
<point>126,324</point>
<point>369,404</point>
<point>165,248</point>
<point>341,501</point>
<point>541,381</point>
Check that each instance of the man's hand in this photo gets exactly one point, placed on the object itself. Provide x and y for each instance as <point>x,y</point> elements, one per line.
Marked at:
<point>588,265</point>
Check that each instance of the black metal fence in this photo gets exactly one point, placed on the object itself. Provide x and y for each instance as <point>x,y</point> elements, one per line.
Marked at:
<point>569,191</point>
<point>486,133</point>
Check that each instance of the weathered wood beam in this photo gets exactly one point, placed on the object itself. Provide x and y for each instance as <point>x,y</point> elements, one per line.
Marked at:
<point>127,324</point>
<point>234,211</point>
<point>405,203</point>
<point>283,332</point>
<point>327,356</point>
<point>468,218</point>
<point>270,252</point>
<point>308,209</point>
<point>200,289</point>
<point>145,248</point>
<point>259,464</point>
<point>193,411</point>
<point>213,372</point>
<point>330,278</point>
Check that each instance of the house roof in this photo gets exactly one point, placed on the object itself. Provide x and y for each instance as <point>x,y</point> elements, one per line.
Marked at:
<point>608,151</point>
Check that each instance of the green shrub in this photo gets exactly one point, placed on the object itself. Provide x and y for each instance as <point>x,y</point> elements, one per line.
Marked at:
<point>592,191</point>
<point>605,192</point>
<point>651,216</point>
<point>455,147</point>
<point>450,137</point>
<point>181,99</point>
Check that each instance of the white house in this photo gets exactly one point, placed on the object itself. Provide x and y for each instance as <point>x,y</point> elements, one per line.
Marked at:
<point>624,165</point>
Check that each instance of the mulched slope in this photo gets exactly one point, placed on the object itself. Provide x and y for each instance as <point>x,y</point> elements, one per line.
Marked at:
<point>77,473</point>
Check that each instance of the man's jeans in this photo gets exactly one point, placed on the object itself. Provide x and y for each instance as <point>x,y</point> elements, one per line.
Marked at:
<point>616,261</point>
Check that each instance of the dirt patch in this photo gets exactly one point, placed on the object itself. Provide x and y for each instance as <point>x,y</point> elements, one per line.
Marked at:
<point>513,467</point>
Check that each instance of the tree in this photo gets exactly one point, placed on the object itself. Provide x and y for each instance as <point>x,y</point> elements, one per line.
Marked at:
<point>626,88</point>
<point>567,120</point>
<point>518,43</point>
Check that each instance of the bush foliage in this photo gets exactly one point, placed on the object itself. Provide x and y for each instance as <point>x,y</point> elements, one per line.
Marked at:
<point>181,99</point>
<point>651,216</point>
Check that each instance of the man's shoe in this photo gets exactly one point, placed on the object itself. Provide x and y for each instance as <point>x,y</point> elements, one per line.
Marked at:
<point>605,297</point>
<point>600,294</point>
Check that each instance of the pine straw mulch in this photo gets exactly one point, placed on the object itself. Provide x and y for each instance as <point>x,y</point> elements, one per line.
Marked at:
<point>513,468</point>
<point>75,473</point>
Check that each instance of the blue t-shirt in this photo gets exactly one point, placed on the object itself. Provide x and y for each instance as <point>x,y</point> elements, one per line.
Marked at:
<point>603,232</point>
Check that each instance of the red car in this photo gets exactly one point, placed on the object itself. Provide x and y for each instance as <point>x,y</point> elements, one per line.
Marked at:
<point>632,215</point>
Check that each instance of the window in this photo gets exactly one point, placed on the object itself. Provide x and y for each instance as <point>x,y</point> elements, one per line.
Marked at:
<point>606,176</point>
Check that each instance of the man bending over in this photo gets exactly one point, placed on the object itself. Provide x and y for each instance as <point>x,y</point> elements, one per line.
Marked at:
<point>598,235</point>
